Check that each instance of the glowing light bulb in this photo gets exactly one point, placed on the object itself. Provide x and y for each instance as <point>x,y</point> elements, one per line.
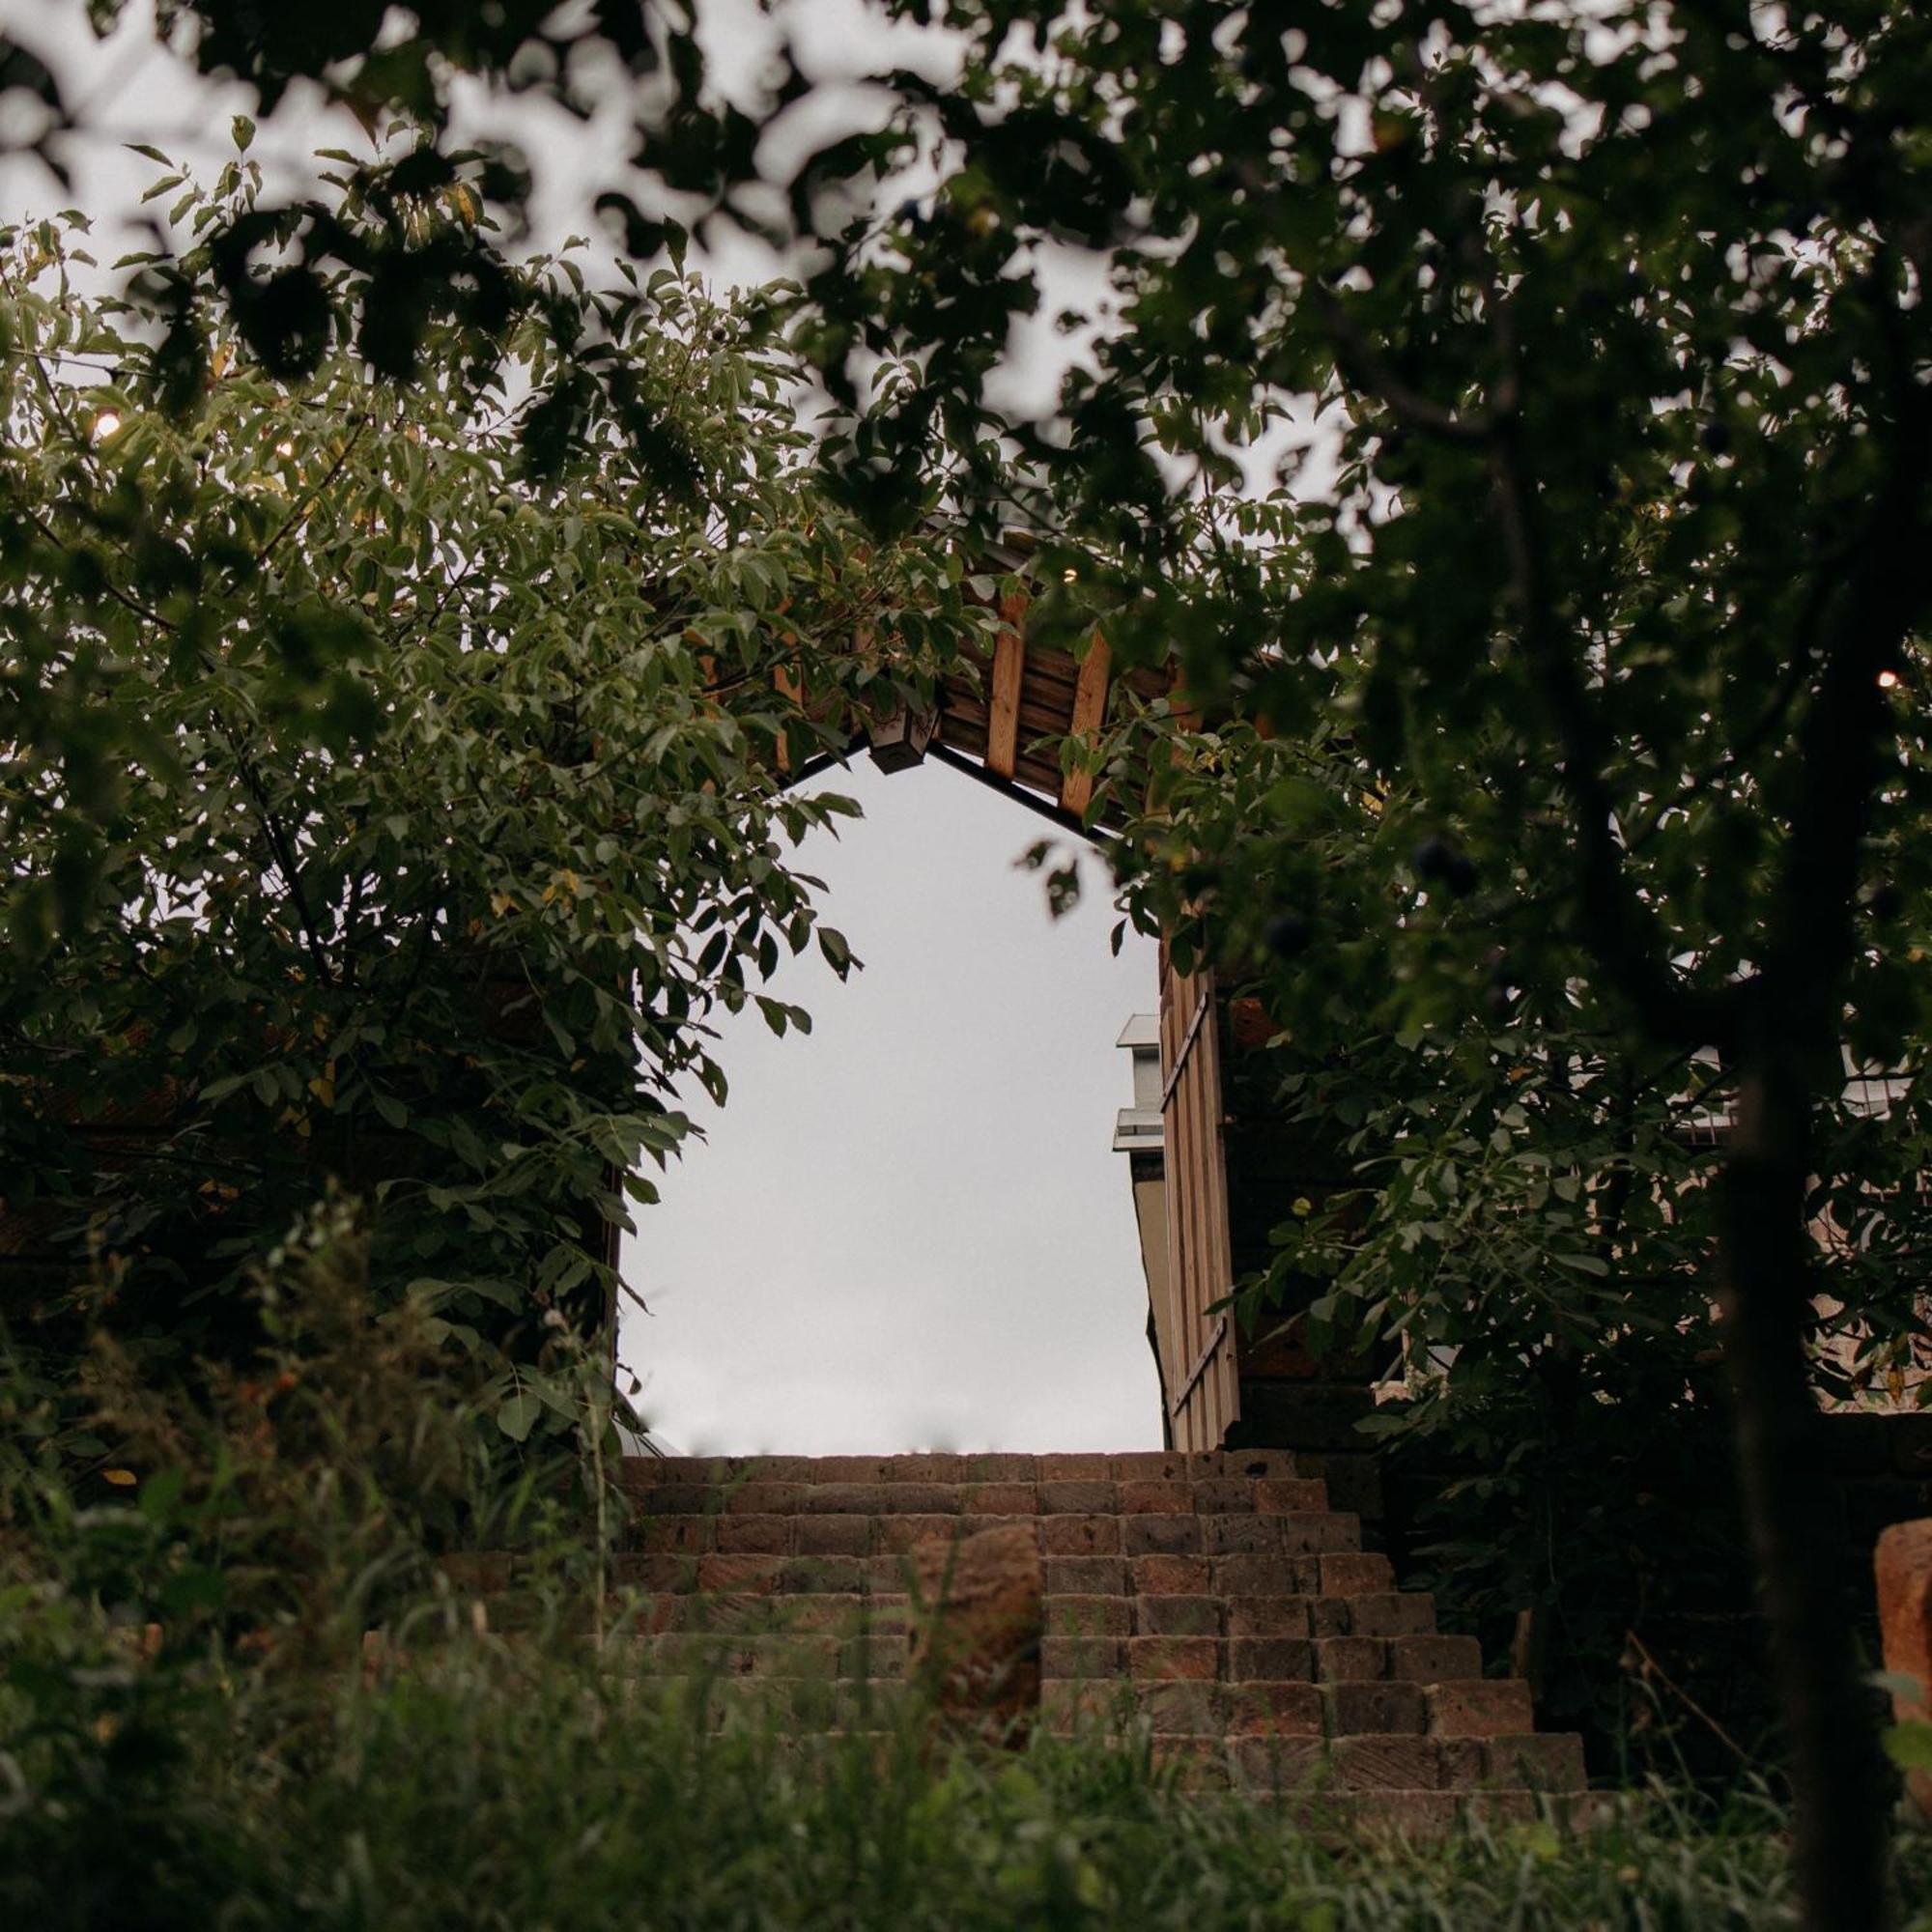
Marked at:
<point>1070,575</point>
<point>1888,681</point>
<point>105,424</point>
<point>285,450</point>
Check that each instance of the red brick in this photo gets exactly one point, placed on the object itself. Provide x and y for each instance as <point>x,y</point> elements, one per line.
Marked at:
<point>1277,1708</point>
<point>832,1536</point>
<point>1481,1707</point>
<point>672,1535</point>
<point>1088,1616</point>
<point>1263,1576</point>
<point>1499,1808</point>
<point>1151,1498</point>
<point>1393,1613</point>
<point>845,1575</point>
<point>1405,1814</point>
<point>1290,1496</point>
<point>1318,1534</point>
<point>1181,1707</point>
<point>656,1573</point>
<point>1435,1660</point>
<point>1161,1535</point>
<point>1250,1463</point>
<point>1267,1616</point>
<point>908,1498</point>
<point>1387,1763</point>
<point>1081,1656</point>
<point>1078,1704</point>
<point>1170,1576</point>
<point>1079,1535</point>
<point>1278,1763</point>
<point>764,1498</point>
<point>1224,1496</point>
<point>673,1499</point>
<point>1077,1499</point>
<point>1002,1468</point>
<point>1549,1761</point>
<point>1151,1465</point>
<point>829,1469</point>
<point>1360,1574</point>
<point>1351,1659</point>
<point>1355,1708</point>
<point>1239,1535</point>
<point>896,1534</point>
<point>1196,1658</point>
<point>1195,1764</point>
<point>738,1573</point>
<point>1177,1616</point>
<point>1335,1616</point>
<point>1084,1576</point>
<point>1270,1658</point>
<point>1073,1468</point>
<point>755,1535</point>
<point>1001,1499</point>
<point>887,1573</point>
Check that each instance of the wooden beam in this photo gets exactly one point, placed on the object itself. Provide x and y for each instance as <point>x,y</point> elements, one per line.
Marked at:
<point>1090,707</point>
<point>785,682</point>
<point>1003,703</point>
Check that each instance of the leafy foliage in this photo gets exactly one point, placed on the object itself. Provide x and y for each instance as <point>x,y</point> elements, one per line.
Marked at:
<point>395,788</point>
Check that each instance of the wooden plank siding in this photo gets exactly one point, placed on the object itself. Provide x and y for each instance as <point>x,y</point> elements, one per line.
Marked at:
<point>1198,1347</point>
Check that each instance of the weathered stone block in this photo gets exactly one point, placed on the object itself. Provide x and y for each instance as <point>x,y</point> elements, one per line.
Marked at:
<point>1270,1658</point>
<point>1358,1575</point>
<point>1273,1710</point>
<point>1170,1576</point>
<point>1267,1616</point>
<point>1356,1708</point>
<point>1090,1616</point>
<point>1196,1658</point>
<point>1481,1707</point>
<point>978,1644</point>
<point>1080,1535</point>
<point>1352,1659</point>
<point>1177,1616</point>
<point>1161,1535</point>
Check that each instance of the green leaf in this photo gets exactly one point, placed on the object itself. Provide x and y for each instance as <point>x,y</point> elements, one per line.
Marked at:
<point>518,1416</point>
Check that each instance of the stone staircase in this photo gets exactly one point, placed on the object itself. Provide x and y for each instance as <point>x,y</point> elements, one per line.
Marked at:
<point>1211,1606</point>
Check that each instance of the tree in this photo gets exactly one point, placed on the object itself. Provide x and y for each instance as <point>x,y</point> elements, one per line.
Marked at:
<point>389,800</point>
<point>1611,537</point>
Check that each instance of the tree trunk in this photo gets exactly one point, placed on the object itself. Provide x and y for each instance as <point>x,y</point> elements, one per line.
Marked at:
<point>1837,1776</point>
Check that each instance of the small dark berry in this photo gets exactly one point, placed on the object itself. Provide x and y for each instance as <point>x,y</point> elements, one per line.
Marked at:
<point>1286,935</point>
<point>1497,1000</point>
<point>1887,901</point>
<point>1462,875</point>
<point>1715,437</point>
<point>1434,857</point>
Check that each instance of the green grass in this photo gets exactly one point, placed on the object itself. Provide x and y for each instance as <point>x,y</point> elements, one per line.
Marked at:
<point>521,1784</point>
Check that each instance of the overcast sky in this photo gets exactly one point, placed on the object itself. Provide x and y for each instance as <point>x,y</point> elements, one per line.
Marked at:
<point>907,1230</point>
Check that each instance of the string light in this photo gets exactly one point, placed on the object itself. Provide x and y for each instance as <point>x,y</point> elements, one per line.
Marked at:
<point>1888,681</point>
<point>105,424</point>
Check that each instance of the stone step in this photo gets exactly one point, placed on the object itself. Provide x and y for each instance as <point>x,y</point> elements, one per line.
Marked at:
<point>1389,1615</point>
<point>759,1496</point>
<point>1480,1707</point>
<point>870,1533</point>
<point>1139,1465</point>
<point>1337,1573</point>
<point>1410,1660</point>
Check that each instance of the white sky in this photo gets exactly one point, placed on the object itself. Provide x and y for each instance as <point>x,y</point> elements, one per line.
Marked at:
<point>907,1230</point>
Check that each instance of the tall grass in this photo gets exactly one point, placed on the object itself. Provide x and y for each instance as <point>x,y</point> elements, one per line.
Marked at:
<point>194,1732</point>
